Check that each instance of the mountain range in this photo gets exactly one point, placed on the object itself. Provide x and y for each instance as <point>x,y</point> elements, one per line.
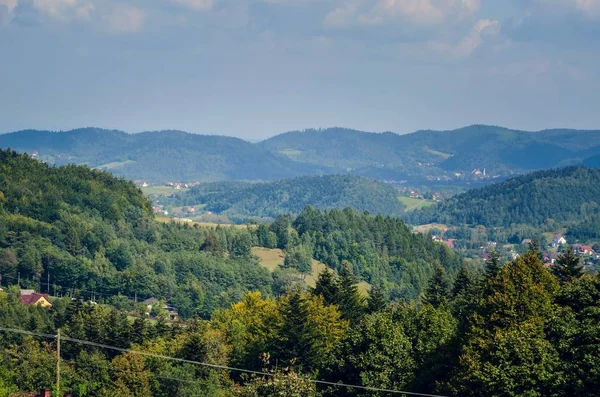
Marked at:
<point>451,156</point>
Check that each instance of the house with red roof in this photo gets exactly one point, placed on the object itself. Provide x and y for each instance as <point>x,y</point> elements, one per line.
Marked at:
<point>30,297</point>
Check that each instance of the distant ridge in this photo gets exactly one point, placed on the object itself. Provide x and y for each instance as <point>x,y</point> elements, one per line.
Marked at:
<point>422,157</point>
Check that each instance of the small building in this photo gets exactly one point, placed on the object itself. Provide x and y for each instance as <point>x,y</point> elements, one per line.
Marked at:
<point>526,241</point>
<point>558,241</point>
<point>170,310</point>
<point>586,250</point>
<point>30,297</point>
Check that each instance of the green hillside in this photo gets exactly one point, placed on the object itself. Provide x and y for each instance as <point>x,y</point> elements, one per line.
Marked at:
<point>554,198</point>
<point>389,155</point>
<point>159,156</point>
<point>420,158</point>
<point>241,201</point>
<point>89,231</point>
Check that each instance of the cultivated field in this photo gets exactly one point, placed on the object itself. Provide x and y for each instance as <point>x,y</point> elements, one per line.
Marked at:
<point>415,204</point>
<point>271,259</point>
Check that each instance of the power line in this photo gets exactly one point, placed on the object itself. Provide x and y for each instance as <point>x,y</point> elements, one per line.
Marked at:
<point>216,366</point>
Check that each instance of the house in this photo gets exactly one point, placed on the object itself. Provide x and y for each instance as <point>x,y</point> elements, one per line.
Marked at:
<point>558,240</point>
<point>171,311</point>
<point>30,297</point>
<point>45,392</point>
<point>586,250</point>
<point>526,241</point>
<point>547,264</point>
<point>145,184</point>
<point>450,243</point>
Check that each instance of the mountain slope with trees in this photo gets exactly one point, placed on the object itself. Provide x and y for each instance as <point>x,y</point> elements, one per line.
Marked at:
<point>84,229</point>
<point>241,201</point>
<point>158,156</point>
<point>498,149</point>
<point>419,157</point>
<point>565,196</point>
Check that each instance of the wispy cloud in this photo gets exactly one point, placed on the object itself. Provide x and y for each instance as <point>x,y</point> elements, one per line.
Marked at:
<point>198,5</point>
<point>125,19</point>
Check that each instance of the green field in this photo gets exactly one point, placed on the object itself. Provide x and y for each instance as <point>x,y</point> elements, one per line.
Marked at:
<point>415,204</point>
<point>271,259</point>
<point>115,164</point>
<point>166,219</point>
<point>161,190</point>
<point>438,153</point>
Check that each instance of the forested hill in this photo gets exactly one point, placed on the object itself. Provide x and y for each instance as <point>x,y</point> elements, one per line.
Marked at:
<point>390,155</point>
<point>567,196</point>
<point>420,157</point>
<point>241,201</point>
<point>85,229</point>
<point>158,156</point>
<point>90,231</point>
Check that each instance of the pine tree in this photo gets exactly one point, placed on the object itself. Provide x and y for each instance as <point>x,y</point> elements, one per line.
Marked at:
<point>139,330</point>
<point>438,289</point>
<point>352,303</point>
<point>294,338</point>
<point>328,287</point>
<point>492,265</point>
<point>568,266</point>
<point>462,282</point>
<point>376,301</point>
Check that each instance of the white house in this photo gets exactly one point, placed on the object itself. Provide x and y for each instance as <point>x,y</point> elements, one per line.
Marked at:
<point>558,240</point>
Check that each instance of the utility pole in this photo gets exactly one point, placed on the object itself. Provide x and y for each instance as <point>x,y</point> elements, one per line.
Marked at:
<point>58,363</point>
<point>48,284</point>
<point>19,279</point>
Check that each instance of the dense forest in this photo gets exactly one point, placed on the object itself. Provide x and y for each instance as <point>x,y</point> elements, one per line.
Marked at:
<point>419,157</point>
<point>240,201</point>
<point>73,228</point>
<point>553,198</point>
<point>514,330</point>
<point>499,150</point>
<point>158,156</point>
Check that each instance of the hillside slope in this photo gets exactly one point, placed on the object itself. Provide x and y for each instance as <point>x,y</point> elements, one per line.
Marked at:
<point>422,157</point>
<point>158,156</point>
<point>498,149</point>
<point>566,196</point>
<point>240,201</point>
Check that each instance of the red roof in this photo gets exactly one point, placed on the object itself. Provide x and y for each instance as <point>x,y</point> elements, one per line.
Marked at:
<point>33,298</point>
<point>586,248</point>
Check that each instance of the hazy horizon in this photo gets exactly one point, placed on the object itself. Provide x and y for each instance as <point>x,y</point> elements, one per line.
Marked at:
<point>254,68</point>
<point>256,139</point>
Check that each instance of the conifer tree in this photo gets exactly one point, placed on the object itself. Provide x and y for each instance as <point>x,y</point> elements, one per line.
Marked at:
<point>568,266</point>
<point>328,287</point>
<point>438,289</point>
<point>376,301</point>
<point>352,303</point>
<point>462,282</point>
<point>492,265</point>
<point>294,339</point>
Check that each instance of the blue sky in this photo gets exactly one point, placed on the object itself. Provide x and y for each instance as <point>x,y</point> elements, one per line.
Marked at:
<point>255,68</point>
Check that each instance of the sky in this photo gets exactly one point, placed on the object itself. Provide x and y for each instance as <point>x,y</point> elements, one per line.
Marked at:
<point>256,68</point>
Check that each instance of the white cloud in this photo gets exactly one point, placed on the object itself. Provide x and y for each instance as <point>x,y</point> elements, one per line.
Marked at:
<point>125,19</point>
<point>471,42</point>
<point>589,7</point>
<point>64,10</point>
<point>199,5</point>
<point>417,12</point>
<point>9,4</point>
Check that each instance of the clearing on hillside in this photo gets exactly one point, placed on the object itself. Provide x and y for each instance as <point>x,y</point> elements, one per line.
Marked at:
<point>272,258</point>
<point>415,204</point>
